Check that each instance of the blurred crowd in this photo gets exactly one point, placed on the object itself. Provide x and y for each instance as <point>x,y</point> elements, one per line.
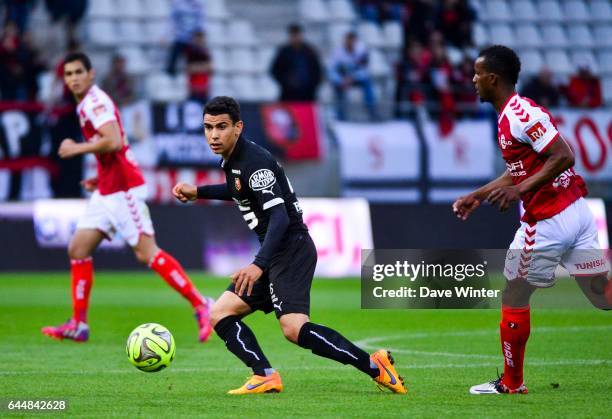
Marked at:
<point>434,67</point>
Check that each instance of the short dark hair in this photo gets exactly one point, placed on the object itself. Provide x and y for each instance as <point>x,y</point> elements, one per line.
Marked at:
<point>502,61</point>
<point>78,56</point>
<point>220,105</point>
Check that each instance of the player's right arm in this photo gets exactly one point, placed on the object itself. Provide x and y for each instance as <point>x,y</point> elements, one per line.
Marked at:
<point>185,192</point>
<point>464,206</point>
<point>109,141</point>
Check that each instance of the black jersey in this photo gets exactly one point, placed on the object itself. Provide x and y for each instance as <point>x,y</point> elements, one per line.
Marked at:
<point>257,182</point>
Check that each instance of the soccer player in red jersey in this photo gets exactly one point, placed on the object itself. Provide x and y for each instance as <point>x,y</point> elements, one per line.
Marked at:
<point>557,226</point>
<point>117,204</point>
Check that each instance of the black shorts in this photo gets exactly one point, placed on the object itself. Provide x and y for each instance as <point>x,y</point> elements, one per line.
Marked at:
<point>285,286</point>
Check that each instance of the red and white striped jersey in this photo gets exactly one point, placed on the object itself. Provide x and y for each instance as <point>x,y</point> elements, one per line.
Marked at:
<point>117,170</point>
<point>525,131</point>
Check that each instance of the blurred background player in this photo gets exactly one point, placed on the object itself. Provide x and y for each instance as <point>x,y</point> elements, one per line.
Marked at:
<point>116,206</point>
<point>557,227</point>
<point>280,276</point>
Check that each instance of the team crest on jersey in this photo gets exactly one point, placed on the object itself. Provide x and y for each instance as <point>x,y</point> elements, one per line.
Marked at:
<point>262,179</point>
<point>237,184</point>
<point>536,132</point>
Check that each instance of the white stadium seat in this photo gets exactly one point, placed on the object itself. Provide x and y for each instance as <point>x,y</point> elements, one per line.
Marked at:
<point>180,88</point>
<point>370,34</point>
<point>131,32</point>
<point>501,33</point>
<point>558,62</point>
<point>136,61</point>
<point>393,33</point>
<point>157,31</point>
<point>605,62</point>
<point>527,35</point>
<point>242,60</point>
<point>524,10</point>
<point>241,32</point>
<point>215,9</point>
<point>586,58</point>
<point>498,10</point>
<point>264,57</point>
<point>220,86</point>
<point>378,65</point>
<point>549,11</point>
<point>157,9</point>
<point>267,88</point>
<point>244,88</point>
<point>45,83</point>
<point>101,9</point>
<point>159,87</point>
<point>580,35</point>
<point>314,10</point>
<point>603,35</point>
<point>553,35</point>
<point>531,62</point>
<point>216,34</point>
<point>132,9</point>
<point>576,10</point>
<point>102,33</point>
<point>220,61</point>
<point>601,11</point>
<point>481,37</point>
<point>341,10</point>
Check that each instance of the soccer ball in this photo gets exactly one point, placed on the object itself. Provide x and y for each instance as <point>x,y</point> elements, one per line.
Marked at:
<point>150,347</point>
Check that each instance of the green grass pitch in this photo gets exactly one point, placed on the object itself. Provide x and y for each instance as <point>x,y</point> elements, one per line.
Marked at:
<point>439,352</point>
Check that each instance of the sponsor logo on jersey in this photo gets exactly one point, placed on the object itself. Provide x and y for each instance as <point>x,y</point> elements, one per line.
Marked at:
<point>237,184</point>
<point>100,109</point>
<point>591,264</point>
<point>536,132</point>
<point>262,179</point>
<point>503,143</point>
<point>516,168</point>
<point>236,171</point>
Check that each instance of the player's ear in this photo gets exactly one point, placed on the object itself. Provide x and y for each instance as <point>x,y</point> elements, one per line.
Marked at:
<point>92,73</point>
<point>239,125</point>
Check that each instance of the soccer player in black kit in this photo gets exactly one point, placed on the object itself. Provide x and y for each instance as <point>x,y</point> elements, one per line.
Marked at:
<point>280,276</point>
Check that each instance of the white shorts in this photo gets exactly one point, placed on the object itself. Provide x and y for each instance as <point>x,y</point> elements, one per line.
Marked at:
<point>568,238</point>
<point>125,213</point>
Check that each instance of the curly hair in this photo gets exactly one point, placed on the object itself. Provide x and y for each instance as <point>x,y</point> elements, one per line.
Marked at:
<point>502,61</point>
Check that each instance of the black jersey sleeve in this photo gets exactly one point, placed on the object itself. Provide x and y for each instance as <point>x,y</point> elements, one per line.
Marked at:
<point>279,221</point>
<point>219,192</point>
<point>264,185</point>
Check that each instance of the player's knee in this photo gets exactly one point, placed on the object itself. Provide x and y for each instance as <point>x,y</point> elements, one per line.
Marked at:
<point>291,326</point>
<point>141,256</point>
<point>218,313</point>
<point>291,331</point>
<point>76,251</point>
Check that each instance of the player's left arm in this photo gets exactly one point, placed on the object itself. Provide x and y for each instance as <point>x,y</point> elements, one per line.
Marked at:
<point>109,141</point>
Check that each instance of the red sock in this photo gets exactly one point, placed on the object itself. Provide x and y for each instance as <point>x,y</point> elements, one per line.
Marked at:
<point>82,278</point>
<point>168,268</point>
<point>514,331</point>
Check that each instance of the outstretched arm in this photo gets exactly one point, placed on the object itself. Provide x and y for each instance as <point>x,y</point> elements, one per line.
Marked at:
<point>465,205</point>
<point>185,192</point>
<point>109,141</point>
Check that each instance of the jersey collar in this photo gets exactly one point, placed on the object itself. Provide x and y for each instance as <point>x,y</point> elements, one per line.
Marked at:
<point>503,108</point>
<point>235,152</point>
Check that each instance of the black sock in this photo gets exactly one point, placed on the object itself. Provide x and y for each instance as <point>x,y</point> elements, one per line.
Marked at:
<point>328,343</point>
<point>241,341</point>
